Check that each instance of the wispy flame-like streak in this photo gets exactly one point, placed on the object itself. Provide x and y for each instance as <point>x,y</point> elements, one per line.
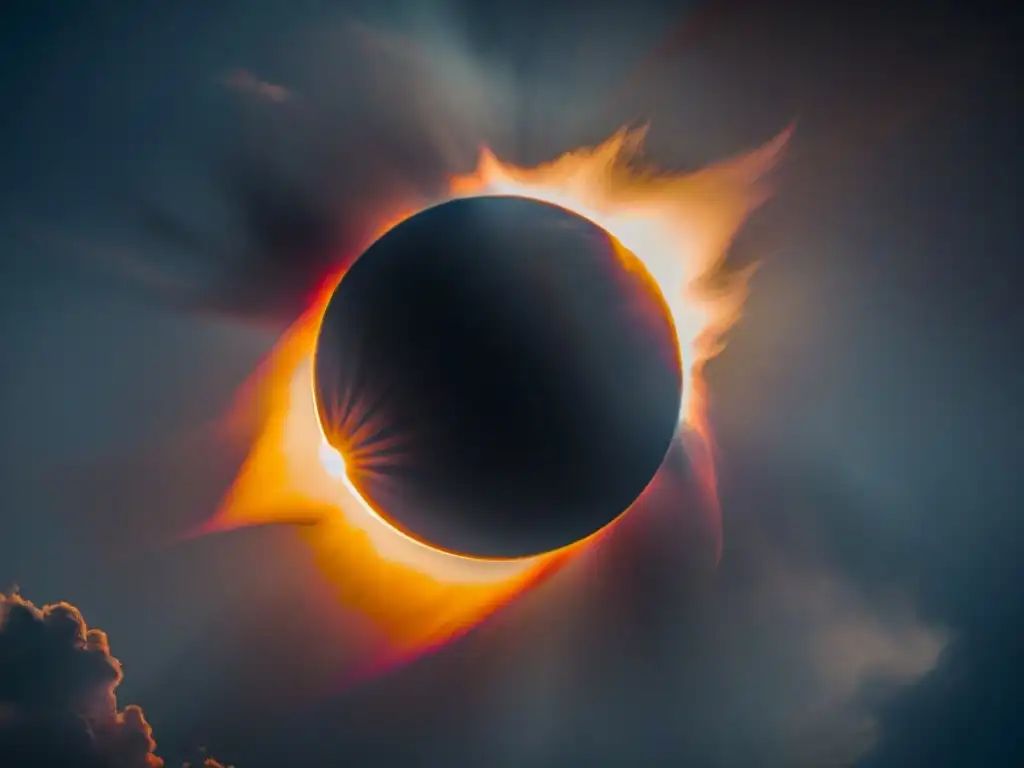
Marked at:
<point>680,227</point>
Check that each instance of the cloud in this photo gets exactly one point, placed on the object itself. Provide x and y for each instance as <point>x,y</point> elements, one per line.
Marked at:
<point>244,81</point>
<point>58,702</point>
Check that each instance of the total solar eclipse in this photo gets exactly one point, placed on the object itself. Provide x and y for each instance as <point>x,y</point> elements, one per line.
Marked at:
<point>500,377</point>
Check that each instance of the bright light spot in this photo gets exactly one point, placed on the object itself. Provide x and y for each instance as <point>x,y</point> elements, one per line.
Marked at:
<point>332,460</point>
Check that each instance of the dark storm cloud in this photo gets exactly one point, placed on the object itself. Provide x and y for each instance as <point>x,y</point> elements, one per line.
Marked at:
<point>58,702</point>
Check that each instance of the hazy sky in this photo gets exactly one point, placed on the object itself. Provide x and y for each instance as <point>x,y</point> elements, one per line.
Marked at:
<point>173,176</point>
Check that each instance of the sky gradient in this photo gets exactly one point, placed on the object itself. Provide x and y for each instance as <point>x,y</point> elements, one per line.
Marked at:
<point>175,177</point>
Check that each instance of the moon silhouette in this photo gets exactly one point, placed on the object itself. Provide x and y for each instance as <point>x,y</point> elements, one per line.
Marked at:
<point>501,378</point>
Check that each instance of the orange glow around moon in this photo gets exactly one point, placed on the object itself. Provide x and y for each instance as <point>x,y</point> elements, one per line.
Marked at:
<point>679,226</point>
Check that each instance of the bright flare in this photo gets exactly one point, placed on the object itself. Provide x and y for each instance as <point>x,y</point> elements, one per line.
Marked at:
<point>678,226</point>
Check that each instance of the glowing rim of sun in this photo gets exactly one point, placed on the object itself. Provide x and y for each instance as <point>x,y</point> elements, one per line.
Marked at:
<point>332,459</point>
<point>677,225</point>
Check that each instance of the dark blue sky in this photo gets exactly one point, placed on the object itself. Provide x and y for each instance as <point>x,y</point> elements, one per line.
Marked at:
<point>161,217</point>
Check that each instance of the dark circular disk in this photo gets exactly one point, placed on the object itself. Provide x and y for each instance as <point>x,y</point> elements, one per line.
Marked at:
<point>500,379</point>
